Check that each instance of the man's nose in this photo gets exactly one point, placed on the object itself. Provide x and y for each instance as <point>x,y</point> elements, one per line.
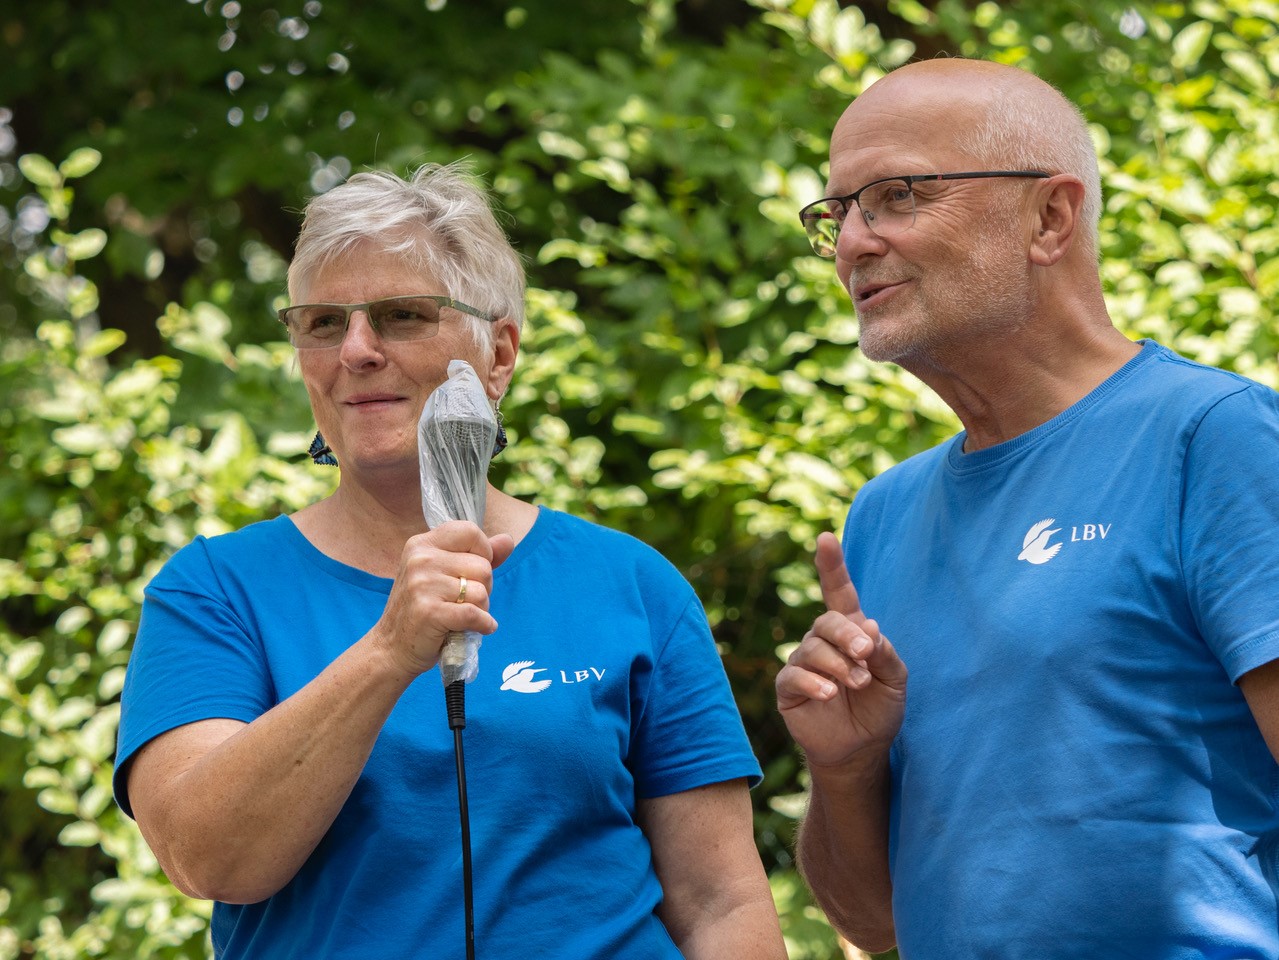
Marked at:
<point>856,239</point>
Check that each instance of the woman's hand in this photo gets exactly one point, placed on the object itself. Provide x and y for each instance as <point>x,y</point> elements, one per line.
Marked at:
<point>427,602</point>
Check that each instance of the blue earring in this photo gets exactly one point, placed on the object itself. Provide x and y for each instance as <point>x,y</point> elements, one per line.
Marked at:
<point>320,452</point>
<point>499,442</point>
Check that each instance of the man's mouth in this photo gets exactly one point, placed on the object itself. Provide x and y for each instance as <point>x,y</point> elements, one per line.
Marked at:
<point>864,293</point>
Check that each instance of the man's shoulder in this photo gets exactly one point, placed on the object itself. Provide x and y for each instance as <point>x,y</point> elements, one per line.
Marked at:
<point>904,482</point>
<point>1191,382</point>
<point>915,469</point>
<point>1178,398</point>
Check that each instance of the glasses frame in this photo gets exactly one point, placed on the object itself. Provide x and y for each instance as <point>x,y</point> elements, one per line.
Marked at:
<point>350,308</point>
<point>809,221</point>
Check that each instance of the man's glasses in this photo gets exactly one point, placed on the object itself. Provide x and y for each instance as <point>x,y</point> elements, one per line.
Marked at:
<point>315,325</point>
<point>887,206</point>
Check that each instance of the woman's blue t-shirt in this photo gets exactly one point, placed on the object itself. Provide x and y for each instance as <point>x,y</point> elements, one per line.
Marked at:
<point>601,686</point>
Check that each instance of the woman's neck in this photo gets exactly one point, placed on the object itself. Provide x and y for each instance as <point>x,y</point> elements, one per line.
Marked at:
<point>367,531</point>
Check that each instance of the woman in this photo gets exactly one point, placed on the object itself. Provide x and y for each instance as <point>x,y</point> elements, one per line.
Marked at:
<point>283,742</point>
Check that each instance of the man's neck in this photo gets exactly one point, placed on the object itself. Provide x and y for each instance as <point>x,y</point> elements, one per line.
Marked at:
<point>1001,391</point>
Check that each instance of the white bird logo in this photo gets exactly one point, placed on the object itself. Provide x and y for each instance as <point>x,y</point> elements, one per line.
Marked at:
<point>518,677</point>
<point>1035,549</point>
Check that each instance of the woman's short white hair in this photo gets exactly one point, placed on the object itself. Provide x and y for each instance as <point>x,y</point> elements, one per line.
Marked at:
<point>438,222</point>
<point>1020,132</point>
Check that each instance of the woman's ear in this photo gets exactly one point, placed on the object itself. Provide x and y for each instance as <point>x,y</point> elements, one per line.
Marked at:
<point>506,348</point>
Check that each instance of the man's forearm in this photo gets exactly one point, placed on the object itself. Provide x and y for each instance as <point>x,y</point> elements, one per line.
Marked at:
<point>843,850</point>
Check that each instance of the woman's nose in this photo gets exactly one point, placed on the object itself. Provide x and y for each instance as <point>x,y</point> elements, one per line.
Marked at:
<point>361,344</point>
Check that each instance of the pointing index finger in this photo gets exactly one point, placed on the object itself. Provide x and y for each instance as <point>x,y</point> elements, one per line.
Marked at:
<point>838,591</point>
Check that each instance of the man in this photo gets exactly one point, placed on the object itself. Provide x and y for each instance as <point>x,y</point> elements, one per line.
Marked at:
<point>1084,583</point>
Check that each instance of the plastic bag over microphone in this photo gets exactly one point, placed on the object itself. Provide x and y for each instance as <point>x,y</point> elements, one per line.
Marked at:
<point>455,436</point>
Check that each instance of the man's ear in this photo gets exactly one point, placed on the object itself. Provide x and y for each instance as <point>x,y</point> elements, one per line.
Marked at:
<point>1059,203</point>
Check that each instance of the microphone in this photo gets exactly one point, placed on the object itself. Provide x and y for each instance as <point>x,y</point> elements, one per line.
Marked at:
<point>455,437</point>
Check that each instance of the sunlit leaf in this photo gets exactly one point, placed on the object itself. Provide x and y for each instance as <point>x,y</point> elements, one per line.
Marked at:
<point>39,170</point>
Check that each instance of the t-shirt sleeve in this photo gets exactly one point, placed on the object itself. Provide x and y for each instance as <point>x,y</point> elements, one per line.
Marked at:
<point>1230,528</point>
<point>193,659</point>
<point>689,733</point>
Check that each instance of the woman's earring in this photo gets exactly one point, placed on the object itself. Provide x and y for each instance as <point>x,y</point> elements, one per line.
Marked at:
<point>499,442</point>
<point>320,452</point>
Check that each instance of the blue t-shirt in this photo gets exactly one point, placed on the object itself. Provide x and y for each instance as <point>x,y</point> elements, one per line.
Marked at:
<point>1077,775</point>
<point>602,686</point>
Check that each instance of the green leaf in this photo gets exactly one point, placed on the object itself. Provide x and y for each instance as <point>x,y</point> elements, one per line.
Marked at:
<point>80,834</point>
<point>58,800</point>
<point>23,660</point>
<point>80,162</point>
<point>82,438</point>
<point>911,11</point>
<point>113,637</point>
<point>86,244</point>
<point>1189,45</point>
<point>104,342</point>
<point>39,170</point>
<point>637,423</point>
<point>1250,69</point>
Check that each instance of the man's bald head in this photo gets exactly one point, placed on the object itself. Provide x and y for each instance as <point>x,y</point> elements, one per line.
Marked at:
<point>999,117</point>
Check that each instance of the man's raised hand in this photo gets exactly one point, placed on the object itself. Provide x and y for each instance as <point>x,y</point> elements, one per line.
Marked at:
<point>843,689</point>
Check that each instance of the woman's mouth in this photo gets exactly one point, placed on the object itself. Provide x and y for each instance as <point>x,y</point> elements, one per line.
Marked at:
<point>371,401</point>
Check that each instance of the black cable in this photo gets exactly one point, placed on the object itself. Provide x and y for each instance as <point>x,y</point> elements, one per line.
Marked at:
<point>455,698</point>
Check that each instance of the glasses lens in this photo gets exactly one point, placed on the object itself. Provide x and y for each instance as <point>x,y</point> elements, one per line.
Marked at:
<point>315,325</point>
<point>822,221</point>
<point>888,207</point>
<point>405,318</point>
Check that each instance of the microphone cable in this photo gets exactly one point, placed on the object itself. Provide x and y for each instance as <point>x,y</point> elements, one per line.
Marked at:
<point>455,700</point>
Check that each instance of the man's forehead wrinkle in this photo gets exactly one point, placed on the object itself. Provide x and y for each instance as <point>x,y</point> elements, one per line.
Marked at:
<point>887,138</point>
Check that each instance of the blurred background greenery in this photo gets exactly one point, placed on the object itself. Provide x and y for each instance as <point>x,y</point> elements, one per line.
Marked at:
<point>689,374</point>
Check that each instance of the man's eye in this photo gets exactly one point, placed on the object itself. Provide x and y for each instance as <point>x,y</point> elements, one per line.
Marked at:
<point>834,210</point>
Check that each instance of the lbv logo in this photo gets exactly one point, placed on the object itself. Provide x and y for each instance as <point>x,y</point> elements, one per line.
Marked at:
<point>1037,546</point>
<point>522,677</point>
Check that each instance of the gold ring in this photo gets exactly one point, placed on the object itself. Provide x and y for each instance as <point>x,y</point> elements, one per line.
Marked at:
<point>461,593</point>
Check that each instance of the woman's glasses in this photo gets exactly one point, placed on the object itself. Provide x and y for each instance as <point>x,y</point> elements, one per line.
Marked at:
<point>313,326</point>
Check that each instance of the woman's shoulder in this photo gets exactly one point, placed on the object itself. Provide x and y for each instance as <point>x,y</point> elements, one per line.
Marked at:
<point>256,548</point>
<point>600,546</point>
<point>569,527</point>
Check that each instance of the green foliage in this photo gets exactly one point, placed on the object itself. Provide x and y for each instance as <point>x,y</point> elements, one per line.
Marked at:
<point>689,371</point>
<point>101,486</point>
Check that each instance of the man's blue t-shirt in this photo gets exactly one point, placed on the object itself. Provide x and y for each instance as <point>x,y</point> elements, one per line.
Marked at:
<point>601,686</point>
<point>1077,775</point>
